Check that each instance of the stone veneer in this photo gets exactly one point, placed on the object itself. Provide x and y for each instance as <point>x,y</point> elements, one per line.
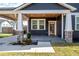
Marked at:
<point>68,36</point>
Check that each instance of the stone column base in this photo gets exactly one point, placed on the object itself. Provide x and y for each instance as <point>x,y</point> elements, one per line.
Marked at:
<point>69,36</point>
<point>20,36</point>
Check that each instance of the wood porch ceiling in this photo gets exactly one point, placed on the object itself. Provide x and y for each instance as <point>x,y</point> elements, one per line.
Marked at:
<point>12,16</point>
<point>8,16</point>
<point>43,15</point>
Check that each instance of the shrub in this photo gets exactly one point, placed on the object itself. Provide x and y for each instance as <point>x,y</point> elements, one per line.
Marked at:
<point>29,35</point>
<point>28,40</point>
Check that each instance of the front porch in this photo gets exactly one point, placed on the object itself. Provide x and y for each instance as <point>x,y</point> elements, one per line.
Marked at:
<point>62,24</point>
<point>45,19</point>
<point>49,24</point>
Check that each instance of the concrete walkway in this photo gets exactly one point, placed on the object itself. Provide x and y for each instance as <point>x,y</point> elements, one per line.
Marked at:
<point>41,47</point>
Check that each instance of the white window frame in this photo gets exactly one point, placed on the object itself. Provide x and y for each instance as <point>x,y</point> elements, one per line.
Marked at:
<point>76,22</point>
<point>38,24</point>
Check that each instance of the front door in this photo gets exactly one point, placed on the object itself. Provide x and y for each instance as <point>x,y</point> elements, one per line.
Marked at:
<point>52,28</point>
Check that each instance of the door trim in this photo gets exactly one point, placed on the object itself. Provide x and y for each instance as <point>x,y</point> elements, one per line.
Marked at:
<point>54,28</point>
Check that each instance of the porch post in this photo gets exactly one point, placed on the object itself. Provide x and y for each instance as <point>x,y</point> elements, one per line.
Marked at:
<point>27,24</point>
<point>62,26</point>
<point>68,28</point>
<point>0,28</point>
<point>20,27</point>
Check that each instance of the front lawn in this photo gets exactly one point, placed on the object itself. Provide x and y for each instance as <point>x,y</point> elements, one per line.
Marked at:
<point>60,50</point>
<point>4,35</point>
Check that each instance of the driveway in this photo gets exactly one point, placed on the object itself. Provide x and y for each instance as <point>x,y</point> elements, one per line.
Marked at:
<point>8,39</point>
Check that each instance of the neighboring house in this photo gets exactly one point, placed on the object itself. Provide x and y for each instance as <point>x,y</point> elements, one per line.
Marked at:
<point>50,19</point>
<point>6,25</point>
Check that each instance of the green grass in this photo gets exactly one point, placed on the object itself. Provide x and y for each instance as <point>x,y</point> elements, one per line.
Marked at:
<point>5,35</point>
<point>66,49</point>
<point>60,50</point>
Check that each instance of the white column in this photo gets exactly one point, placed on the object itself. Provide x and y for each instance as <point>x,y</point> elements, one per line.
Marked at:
<point>68,25</point>
<point>20,28</point>
<point>62,26</point>
<point>0,28</point>
<point>27,24</point>
<point>68,28</point>
<point>20,22</point>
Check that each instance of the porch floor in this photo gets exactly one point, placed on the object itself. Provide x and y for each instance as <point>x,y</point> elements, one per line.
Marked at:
<point>34,38</point>
<point>48,38</point>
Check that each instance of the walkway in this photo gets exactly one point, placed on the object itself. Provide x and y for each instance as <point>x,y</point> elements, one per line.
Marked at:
<point>44,44</point>
<point>40,47</point>
<point>44,47</point>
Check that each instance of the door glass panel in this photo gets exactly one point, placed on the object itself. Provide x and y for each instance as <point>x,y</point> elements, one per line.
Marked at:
<point>52,28</point>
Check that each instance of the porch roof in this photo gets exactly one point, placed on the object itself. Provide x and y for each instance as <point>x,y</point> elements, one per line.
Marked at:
<point>12,13</point>
<point>50,5</point>
<point>39,6</point>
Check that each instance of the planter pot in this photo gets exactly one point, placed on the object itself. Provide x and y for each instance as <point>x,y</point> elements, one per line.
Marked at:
<point>27,42</point>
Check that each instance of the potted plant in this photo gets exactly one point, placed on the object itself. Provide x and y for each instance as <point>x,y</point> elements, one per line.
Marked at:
<point>29,41</point>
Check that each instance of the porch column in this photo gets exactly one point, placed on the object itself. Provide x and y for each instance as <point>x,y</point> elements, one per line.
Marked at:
<point>20,27</point>
<point>68,28</point>
<point>0,28</point>
<point>62,26</point>
<point>27,24</point>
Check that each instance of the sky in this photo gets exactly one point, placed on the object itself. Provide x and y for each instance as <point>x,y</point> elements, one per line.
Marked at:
<point>9,5</point>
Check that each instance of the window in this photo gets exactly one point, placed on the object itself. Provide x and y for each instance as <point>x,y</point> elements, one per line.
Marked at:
<point>77,23</point>
<point>38,24</point>
<point>34,24</point>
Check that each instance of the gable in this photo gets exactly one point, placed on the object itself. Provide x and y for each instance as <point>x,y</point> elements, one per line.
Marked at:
<point>76,5</point>
<point>44,6</point>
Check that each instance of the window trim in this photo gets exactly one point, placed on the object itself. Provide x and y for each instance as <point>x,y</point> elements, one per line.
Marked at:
<point>76,23</point>
<point>38,28</point>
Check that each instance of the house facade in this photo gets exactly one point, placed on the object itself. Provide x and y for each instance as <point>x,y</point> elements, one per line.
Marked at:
<point>50,19</point>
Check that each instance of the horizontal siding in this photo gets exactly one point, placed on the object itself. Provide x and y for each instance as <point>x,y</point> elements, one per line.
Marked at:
<point>38,32</point>
<point>76,5</point>
<point>44,6</point>
<point>75,33</point>
<point>45,32</point>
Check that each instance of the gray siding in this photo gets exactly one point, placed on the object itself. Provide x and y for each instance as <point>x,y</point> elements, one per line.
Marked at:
<point>75,33</point>
<point>44,6</point>
<point>38,32</point>
<point>76,5</point>
<point>45,32</point>
<point>64,21</point>
<point>59,26</point>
